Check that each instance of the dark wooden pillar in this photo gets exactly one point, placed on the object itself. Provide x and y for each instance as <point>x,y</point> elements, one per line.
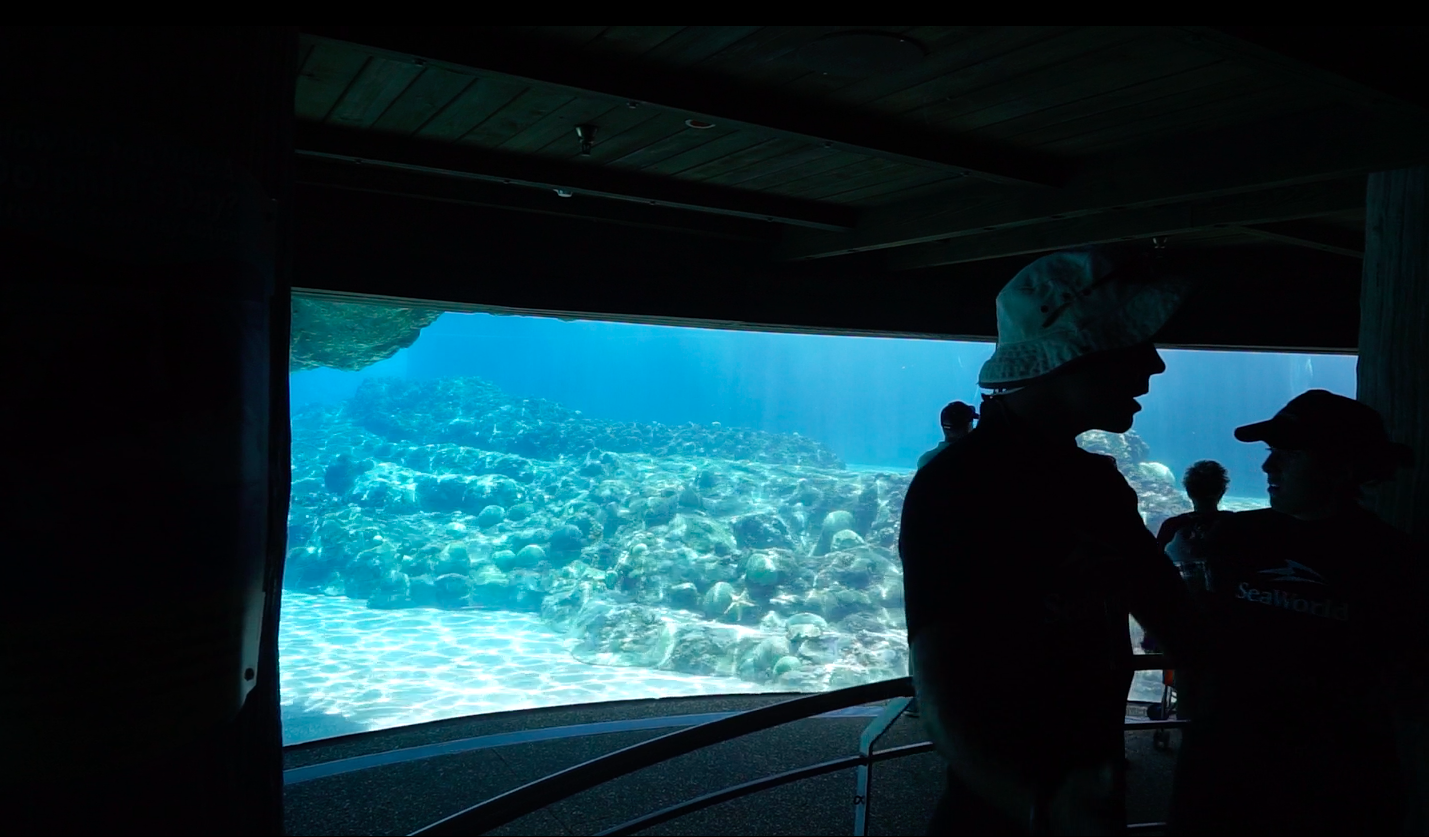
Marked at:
<point>1394,333</point>
<point>145,191</point>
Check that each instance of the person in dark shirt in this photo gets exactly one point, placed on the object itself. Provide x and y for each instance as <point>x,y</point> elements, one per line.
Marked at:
<point>1318,653</point>
<point>1205,483</point>
<point>1017,597</point>
<point>956,420</point>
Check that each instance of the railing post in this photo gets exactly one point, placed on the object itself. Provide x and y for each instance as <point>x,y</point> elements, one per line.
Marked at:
<point>866,742</point>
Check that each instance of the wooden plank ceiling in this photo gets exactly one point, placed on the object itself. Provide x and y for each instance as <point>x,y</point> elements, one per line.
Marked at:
<point>998,141</point>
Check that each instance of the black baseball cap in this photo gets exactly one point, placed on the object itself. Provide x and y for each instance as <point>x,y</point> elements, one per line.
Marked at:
<point>1321,420</point>
<point>957,413</point>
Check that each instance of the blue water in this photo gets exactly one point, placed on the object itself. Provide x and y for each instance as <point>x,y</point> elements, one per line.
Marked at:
<point>873,400</point>
<point>350,665</point>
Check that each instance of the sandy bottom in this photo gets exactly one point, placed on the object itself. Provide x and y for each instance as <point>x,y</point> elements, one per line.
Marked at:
<point>345,668</point>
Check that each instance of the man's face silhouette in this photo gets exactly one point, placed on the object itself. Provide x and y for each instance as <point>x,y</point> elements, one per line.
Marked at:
<point>1305,484</point>
<point>1102,390</point>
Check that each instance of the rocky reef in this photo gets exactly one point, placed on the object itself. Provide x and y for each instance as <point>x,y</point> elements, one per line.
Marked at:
<point>351,336</point>
<point>1158,494</point>
<point>694,548</point>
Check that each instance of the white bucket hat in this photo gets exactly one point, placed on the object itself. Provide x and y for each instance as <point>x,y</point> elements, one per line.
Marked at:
<point>1068,305</point>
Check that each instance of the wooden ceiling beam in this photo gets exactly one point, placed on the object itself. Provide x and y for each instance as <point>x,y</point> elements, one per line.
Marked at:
<point>1321,237</point>
<point>693,94</point>
<point>382,180</point>
<point>1290,202</point>
<point>370,148</point>
<point>1375,67</point>
<point>1333,143</point>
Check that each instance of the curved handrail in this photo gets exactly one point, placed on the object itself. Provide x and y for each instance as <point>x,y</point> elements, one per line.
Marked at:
<point>518,802</point>
<point>533,796</point>
<point>736,791</point>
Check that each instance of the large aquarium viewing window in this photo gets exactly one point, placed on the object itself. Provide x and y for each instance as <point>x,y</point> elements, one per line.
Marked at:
<point>507,512</point>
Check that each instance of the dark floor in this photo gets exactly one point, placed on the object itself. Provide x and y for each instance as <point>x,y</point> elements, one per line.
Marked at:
<point>396,781</point>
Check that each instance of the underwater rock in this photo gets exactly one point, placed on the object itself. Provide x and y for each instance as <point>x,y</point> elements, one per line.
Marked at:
<point>1126,448</point>
<point>504,559</point>
<point>574,587</point>
<point>762,531</point>
<point>392,592</point>
<point>784,665</point>
<point>442,494</point>
<point>520,540</point>
<point>866,508</point>
<point>530,555</point>
<point>351,336</point>
<point>823,649</point>
<point>567,538</point>
<point>771,650</point>
<point>803,626</point>
<point>367,570</point>
<point>761,570</point>
<point>837,602</point>
<point>523,505</point>
<point>703,534</point>
<point>622,635</point>
<point>702,649</point>
<point>422,591</point>
<point>658,511</point>
<point>718,599</point>
<point>341,474</point>
<point>489,586</point>
<point>454,560</point>
<point>834,522</point>
<point>452,591</point>
<point>1156,472</point>
<point>599,464</point>
<point>476,413</point>
<point>684,595</point>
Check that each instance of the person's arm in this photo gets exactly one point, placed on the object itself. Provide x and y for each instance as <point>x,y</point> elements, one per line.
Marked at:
<point>994,753</point>
<point>947,680</point>
<point>1405,684</point>
<point>1166,531</point>
<point>951,656</point>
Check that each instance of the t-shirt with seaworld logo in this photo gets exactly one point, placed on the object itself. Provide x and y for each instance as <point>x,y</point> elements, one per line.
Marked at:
<point>1316,626</point>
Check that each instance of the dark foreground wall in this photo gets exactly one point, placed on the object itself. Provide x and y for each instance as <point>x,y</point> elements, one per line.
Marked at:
<point>142,204</point>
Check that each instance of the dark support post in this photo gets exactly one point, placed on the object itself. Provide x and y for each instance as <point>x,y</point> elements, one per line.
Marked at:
<point>145,198</point>
<point>1394,333</point>
<point>1394,379</point>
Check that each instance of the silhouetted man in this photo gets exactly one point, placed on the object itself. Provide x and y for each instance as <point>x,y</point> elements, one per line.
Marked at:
<point>956,420</point>
<point>1023,555</point>
<point>1320,644</point>
<point>1205,483</point>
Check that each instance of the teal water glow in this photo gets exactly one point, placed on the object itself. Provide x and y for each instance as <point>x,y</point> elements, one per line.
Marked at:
<point>873,402</point>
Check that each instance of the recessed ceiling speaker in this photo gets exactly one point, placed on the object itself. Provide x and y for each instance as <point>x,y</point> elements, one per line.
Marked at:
<point>857,54</point>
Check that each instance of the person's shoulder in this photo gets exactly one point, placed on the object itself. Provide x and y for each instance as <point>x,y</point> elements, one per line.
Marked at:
<point>1170,525</point>
<point>1250,520</point>
<point>1394,544</point>
<point>958,474</point>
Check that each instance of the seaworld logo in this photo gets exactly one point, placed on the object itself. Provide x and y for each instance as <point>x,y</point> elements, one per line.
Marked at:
<point>1295,571</point>
<point>1327,608</point>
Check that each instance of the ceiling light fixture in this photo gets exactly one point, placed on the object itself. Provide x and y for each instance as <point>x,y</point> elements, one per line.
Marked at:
<point>698,124</point>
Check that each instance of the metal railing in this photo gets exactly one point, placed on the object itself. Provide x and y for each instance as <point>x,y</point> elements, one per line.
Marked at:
<point>531,797</point>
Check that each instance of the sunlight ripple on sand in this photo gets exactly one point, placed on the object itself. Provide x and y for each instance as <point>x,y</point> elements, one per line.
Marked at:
<point>377,669</point>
